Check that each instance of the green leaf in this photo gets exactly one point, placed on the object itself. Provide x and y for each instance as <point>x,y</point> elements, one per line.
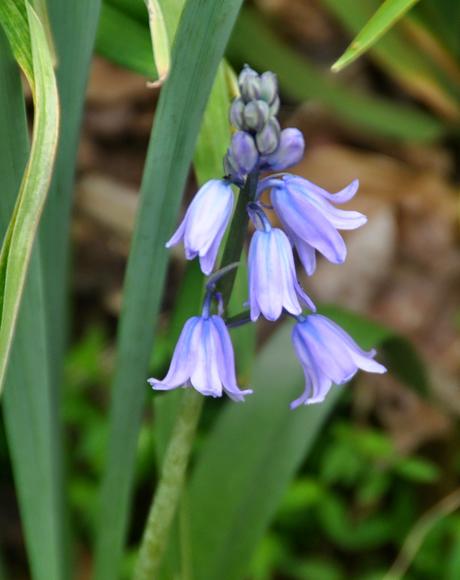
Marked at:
<point>254,42</point>
<point>19,240</point>
<point>180,109</point>
<point>124,40</point>
<point>13,18</point>
<point>30,415</point>
<point>401,58</point>
<point>386,16</point>
<point>74,29</point>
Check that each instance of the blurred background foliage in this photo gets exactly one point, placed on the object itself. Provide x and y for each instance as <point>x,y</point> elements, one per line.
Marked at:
<point>377,476</point>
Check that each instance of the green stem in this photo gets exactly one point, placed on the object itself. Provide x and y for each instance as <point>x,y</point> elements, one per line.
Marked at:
<point>168,493</point>
<point>163,509</point>
<point>237,234</point>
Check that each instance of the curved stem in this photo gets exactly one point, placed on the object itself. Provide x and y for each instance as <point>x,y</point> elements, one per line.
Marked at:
<point>167,496</point>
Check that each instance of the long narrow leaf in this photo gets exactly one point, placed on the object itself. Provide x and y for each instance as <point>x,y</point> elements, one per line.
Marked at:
<point>132,49</point>
<point>74,27</point>
<point>17,248</point>
<point>13,18</point>
<point>386,16</point>
<point>177,122</point>
<point>28,406</point>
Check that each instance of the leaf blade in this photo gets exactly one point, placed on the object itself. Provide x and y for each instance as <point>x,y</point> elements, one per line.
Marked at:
<point>384,18</point>
<point>15,257</point>
<point>178,116</point>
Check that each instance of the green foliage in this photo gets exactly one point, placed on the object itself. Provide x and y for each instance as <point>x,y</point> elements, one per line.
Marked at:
<point>31,421</point>
<point>180,109</point>
<point>132,49</point>
<point>385,17</point>
<point>19,238</point>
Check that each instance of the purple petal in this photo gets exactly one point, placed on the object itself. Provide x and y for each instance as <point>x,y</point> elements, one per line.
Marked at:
<point>211,207</point>
<point>205,374</point>
<point>342,196</point>
<point>178,234</point>
<point>226,360</point>
<point>297,213</point>
<point>289,152</point>
<point>288,284</point>
<point>361,358</point>
<point>180,367</point>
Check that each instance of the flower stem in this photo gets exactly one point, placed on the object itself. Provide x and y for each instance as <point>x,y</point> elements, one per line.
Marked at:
<point>156,533</point>
<point>237,234</point>
<point>167,496</point>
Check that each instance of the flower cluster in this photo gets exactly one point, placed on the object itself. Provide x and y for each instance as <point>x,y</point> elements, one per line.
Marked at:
<point>203,357</point>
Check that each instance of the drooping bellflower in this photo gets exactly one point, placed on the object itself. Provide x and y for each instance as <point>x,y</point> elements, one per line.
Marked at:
<point>328,355</point>
<point>273,282</point>
<point>205,223</point>
<point>310,219</point>
<point>204,359</point>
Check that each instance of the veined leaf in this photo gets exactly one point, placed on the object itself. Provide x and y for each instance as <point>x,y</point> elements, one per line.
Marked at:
<point>28,405</point>
<point>19,240</point>
<point>386,16</point>
<point>180,109</point>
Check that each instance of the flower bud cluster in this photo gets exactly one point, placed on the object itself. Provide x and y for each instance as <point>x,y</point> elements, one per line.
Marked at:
<point>310,222</point>
<point>259,143</point>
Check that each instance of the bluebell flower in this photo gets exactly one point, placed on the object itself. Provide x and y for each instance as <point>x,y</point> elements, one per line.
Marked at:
<point>273,282</point>
<point>311,221</point>
<point>289,152</point>
<point>328,355</point>
<point>205,223</point>
<point>204,359</point>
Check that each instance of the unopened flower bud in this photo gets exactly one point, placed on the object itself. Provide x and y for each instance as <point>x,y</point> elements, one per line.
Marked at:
<point>249,84</point>
<point>236,113</point>
<point>243,153</point>
<point>289,152</point>
<point>268,87</point>
<point>268,139</point>
<point>256,115</point>
<point>275,107</point>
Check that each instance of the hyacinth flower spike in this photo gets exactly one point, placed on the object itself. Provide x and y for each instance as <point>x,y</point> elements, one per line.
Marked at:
<point>328,356</point>
<point>310,219</point>
<point>203,358</point>
<point>273,282</point>
<point>205,222</point>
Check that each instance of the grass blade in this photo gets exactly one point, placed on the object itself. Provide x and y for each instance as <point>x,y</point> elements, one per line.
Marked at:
<point>28,406</point>
<point>386,16</point>
<point>13,18</point>
<point>401,58</point>
<point>133,48</point>
<point>254,42</point>
<point>74,27</point>
<point>178,118</point>
<point>19,240</point>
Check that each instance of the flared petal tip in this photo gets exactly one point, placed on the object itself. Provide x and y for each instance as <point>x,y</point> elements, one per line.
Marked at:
<point>237,395</point>
<point>159,385</point>
<point>303,400</point>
